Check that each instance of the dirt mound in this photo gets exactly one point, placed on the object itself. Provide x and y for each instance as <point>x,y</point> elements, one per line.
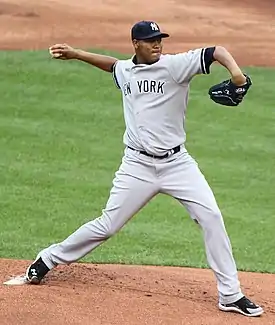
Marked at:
<point>133,295</point>
<point>245,27</point>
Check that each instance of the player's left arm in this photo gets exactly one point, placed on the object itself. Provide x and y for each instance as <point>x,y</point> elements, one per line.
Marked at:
<point>230,92</point>
<point>184,66</point>
<point>223,57</point>
<point>226,59</point>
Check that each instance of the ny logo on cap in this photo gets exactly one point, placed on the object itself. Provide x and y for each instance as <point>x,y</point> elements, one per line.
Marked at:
<point>154,26</point>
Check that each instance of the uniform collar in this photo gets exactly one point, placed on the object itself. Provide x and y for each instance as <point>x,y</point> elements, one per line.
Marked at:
<point>134,60</point>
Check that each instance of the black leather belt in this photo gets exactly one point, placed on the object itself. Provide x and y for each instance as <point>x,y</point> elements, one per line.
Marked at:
<point>168,154</point>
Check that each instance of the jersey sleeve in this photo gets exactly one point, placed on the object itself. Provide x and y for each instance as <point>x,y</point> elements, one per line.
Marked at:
<point>117,76</point>
<point>184,66</point>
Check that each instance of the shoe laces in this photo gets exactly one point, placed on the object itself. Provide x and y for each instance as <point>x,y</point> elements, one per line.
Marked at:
<point>248,302</point>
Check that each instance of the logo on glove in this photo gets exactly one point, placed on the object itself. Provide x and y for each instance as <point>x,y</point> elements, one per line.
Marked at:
<point>240,90</point>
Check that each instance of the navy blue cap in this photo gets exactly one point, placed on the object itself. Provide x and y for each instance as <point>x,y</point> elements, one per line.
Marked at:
<point>146,30</point>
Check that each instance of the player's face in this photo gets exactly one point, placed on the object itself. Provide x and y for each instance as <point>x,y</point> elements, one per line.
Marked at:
<point>148,51</point>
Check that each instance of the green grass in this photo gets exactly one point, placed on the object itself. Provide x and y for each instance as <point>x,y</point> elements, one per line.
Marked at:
<point>61,128</point>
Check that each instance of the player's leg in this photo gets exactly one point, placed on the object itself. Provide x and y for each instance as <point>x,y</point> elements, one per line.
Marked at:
<point>183,180</point>
<point>133,186</point>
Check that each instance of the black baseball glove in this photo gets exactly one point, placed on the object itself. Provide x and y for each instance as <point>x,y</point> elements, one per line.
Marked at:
<point>228,94</point>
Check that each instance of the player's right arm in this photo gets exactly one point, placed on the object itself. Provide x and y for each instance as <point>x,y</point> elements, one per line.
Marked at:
<point>66,52</point>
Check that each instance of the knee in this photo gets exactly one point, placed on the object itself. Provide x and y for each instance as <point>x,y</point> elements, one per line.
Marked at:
<point>216,214</point>
<point>110,232</point>
<point>212,219</point>
<point>105,227</point>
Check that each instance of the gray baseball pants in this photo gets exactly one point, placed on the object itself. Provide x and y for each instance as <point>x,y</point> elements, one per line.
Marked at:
<point>136,182</point>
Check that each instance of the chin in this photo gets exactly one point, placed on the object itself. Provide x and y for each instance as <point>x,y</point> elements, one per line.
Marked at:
<point>155,58</point>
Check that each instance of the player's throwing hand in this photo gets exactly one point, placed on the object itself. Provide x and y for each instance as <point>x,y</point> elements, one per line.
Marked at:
<point>63,52</point>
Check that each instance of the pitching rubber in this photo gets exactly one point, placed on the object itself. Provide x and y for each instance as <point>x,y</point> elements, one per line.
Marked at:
<point>18,280</point>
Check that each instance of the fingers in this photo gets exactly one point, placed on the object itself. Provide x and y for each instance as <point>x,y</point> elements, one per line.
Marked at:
<point>58,46</point>
<point>56,53</point>
<point>61,51</point>
<point>57,50</point>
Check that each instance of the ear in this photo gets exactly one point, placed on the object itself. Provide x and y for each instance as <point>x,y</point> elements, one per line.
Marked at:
<point>136,44</point>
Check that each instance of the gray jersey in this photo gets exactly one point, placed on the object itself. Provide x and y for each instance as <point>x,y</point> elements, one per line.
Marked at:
<point>155,99</point>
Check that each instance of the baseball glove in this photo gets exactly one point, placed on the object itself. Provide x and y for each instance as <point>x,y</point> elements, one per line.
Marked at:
<point>228,94</point>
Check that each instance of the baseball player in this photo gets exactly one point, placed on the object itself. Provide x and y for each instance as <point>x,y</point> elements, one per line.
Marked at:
<point>154,90</point>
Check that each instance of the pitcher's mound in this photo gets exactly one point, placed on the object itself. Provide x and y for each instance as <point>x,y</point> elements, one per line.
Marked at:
<point>88,294</point>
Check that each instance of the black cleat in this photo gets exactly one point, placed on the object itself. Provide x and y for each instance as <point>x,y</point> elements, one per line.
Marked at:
<point>243,306</point>
<point>36,271</point>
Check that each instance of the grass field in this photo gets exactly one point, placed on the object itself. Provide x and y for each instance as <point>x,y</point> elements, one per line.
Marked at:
<point>61,128</point>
